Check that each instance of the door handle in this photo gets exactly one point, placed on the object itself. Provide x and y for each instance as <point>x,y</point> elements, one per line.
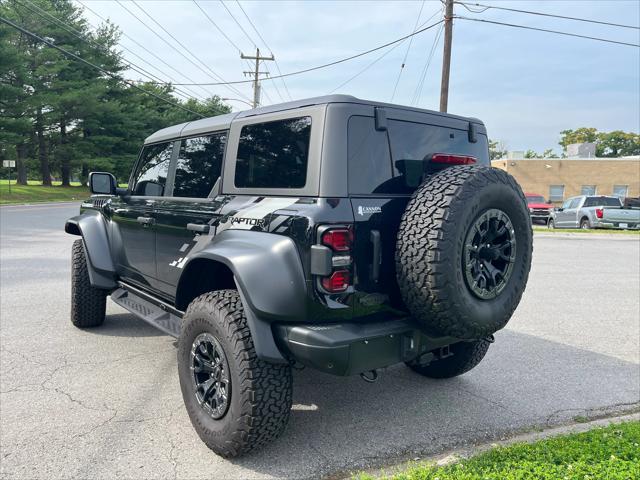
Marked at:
<point>198,227</point>
<point>375,265</point>
<point>146,220</point>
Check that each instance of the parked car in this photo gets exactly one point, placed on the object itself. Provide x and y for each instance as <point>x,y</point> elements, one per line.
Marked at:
<point>292,235</point>
<point>597,211</point>
<point>539,209</point>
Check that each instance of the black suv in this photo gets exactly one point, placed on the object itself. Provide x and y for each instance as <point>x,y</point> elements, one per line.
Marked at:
<point>335,233</point>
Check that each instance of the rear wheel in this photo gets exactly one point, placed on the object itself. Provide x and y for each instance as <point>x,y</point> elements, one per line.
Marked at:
<point>236,402</point>
<point>464,251</point>
<point>88,304</point>
<point>464,356</point>
<point>584,224</point>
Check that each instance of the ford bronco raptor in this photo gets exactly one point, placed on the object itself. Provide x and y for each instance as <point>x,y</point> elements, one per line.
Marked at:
<point>334,233</point>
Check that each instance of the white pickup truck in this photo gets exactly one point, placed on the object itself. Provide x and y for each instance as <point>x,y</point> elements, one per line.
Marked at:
<point>597,211</point>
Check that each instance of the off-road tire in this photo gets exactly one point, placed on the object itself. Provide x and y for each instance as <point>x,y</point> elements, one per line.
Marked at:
<point>430,251</point>
<point>466,355</point>
<point>260,399</point>
<point>88,304</point>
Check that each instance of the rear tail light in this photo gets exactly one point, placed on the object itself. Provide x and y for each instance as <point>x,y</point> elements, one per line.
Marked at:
<point>337,282</point>
<point>338,239</point>
<point>599,212</point>
<point>446,159</point>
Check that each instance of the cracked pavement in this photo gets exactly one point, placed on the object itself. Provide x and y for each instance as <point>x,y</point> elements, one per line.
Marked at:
<point>105,403</point>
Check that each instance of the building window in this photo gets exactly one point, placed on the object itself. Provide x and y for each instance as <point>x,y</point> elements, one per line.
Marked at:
<point>621,190</point>
<point>588,190</point>
<point>556,193</point>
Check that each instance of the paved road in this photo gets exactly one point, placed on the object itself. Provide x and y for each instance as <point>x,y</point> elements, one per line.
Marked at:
<point>106,403</point>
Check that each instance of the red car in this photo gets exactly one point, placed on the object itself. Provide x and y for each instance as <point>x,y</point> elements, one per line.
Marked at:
<point>539,209</point>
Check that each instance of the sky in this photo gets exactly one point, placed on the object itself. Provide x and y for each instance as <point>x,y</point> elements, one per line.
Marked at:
<point>526,86</point>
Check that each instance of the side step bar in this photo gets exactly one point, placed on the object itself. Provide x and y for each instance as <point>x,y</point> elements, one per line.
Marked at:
<point>153,311</point>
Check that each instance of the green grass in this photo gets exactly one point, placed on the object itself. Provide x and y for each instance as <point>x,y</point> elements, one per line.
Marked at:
<point>611,453</point>
<point>594,231</point>
<point>36,193</point>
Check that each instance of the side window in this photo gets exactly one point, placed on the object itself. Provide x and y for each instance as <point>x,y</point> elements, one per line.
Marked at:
<point>567,204</point>
<point>369,157</point>
<point>274,154</point>
<point>151,175</point>
<point>575,203</point>
<point>199,165</point>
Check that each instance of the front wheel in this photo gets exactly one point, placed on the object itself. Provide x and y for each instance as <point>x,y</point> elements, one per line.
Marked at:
<point>236,402</point>
<point>88,304</point>
<point>551,224</point>
<point>464,356</point>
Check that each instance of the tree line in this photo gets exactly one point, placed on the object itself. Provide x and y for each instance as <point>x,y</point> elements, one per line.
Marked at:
<point>608,144</point>
<point>61,118</point>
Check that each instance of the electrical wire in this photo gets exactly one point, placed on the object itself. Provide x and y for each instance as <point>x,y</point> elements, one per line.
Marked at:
<point>268,48</point>
<point>406,53</point>
<point>212,74</point>
<point>577,19</point>
<point>418,92</point>
<point>86,62</point>
<point>238,23</point>
<point>81,36</point>
<point>207,93</point>
<point>557,32</point>
<point>330,64</point>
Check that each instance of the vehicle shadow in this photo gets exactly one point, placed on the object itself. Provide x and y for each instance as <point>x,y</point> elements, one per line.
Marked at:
<point>125,325</point>
<point>341,424</point>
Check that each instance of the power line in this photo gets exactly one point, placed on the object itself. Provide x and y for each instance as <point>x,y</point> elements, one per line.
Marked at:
<point>149,52</point>
<point>106,72</point>
<point>238,23</point>
<point>418,92</point>
<point>557,32</point>
<point>406,53</point>
<point>81,36</point>
<point>588,20</point>
<point>233,44</point>
<point>330,64</point>
<point>212,73</point>
<point>270,51</point>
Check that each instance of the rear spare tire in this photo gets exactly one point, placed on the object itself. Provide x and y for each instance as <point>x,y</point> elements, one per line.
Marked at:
<point>464,251</point>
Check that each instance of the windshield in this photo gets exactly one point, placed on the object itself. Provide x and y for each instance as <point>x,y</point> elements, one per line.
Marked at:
<point>535,199</point>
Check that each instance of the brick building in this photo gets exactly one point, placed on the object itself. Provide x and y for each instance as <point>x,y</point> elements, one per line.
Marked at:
<point>560,178</point>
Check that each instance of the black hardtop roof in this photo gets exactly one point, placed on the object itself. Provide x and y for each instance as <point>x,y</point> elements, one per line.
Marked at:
<point>224,121</point>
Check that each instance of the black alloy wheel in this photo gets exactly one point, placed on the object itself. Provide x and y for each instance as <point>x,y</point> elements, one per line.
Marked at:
<point>489,254</point>
<point>211,379</point>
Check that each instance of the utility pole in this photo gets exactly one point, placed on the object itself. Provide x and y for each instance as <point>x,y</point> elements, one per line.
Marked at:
<point>446,56</point>
<point>256,74</point>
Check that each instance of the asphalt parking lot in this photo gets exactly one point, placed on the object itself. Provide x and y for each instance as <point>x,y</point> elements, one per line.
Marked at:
<point>106,403</point>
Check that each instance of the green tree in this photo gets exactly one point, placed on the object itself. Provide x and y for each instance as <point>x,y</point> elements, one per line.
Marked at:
<point>497,149</point>
<point>531,154</point>
<point>580,135</point>
<point>617,144</point>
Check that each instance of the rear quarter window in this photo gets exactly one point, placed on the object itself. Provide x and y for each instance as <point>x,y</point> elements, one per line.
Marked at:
<point>273,154</point>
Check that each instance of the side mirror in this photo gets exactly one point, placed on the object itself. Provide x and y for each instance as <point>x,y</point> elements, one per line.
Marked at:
<point>102,183</point>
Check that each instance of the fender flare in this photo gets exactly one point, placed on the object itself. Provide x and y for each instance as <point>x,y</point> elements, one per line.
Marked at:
<point>268,274</point>
<point>91,226</point>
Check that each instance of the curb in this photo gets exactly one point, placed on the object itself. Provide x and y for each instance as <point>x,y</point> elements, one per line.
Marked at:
<point>462,453</point>
<point>41,204</point>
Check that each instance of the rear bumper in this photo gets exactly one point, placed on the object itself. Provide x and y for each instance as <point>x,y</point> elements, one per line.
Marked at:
<point>617,225</point>
<point>351,348</point>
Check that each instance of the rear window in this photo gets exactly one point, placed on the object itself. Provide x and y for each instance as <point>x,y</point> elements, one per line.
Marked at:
<point>198,165</point>
<point>535,199</point>
<point>393,161</point>
<point>601,202</point>
<point>274,154</point>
